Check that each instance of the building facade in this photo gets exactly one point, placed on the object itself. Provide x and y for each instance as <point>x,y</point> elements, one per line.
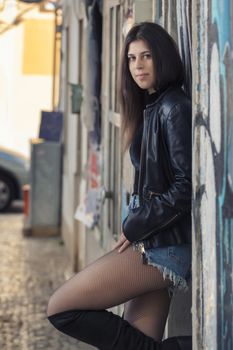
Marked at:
<point>97,177</point>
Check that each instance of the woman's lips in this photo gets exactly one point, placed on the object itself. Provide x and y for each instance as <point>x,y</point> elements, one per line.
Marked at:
<point>141,76</point>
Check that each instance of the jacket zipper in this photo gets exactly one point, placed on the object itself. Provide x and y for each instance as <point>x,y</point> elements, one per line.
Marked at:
<point>142,158</point>
<point>161,226</point>
<point>151,193</point>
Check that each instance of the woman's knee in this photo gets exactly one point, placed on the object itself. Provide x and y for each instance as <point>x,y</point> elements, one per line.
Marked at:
<point>57,301</point>
<point>52,306</point>
<point>66,297</point>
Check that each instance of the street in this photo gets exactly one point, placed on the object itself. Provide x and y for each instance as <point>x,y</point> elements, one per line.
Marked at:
<point>30,270</point>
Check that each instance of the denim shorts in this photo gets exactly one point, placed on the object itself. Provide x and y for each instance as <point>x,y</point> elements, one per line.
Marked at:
<point>174,262</point>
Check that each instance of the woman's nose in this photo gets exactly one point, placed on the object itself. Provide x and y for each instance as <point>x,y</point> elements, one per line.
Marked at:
<point>138,63</point>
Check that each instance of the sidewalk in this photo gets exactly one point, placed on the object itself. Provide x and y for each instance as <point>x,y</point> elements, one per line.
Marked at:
<point>30,270</point>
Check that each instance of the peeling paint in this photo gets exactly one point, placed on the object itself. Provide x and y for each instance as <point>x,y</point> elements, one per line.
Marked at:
<point>208,226</point>
<point>215,107</point>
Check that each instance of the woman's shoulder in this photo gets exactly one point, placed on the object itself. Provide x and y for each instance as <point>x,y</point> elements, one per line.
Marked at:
<point>175,94</point>
<point>174,97</point>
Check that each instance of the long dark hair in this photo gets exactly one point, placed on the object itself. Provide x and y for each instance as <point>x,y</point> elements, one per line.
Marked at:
<point>168,70</point>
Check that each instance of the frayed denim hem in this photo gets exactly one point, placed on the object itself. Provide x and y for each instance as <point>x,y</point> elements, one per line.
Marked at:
<point>178,282</point>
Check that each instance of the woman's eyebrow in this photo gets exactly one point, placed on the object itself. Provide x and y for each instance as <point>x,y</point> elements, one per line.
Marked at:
<point>141,53</point>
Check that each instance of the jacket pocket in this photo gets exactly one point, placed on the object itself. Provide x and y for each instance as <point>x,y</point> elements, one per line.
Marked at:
<point>149,192</point>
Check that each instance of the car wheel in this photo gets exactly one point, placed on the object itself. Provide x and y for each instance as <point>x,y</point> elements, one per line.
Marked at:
<point>6,192</point>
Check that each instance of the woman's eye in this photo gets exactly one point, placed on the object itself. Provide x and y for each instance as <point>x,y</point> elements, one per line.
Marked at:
<point>131,58</point>
<point>147,55</point>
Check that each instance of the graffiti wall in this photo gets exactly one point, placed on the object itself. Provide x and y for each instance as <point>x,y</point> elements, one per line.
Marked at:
<point>212,175</point>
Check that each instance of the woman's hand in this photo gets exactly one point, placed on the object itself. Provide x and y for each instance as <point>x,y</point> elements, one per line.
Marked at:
<point>123,243</point>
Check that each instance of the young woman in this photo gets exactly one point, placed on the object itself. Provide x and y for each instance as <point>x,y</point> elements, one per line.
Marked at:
<point>153,254</point>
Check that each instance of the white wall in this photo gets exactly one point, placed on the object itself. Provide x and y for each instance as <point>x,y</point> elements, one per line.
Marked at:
<point>22,97</point>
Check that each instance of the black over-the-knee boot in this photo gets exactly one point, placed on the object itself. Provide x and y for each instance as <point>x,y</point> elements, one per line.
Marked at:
<point>102,329</point>
<point>105,331</point>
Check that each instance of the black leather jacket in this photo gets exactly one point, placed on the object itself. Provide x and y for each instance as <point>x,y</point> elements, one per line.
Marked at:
<point>163,181</point>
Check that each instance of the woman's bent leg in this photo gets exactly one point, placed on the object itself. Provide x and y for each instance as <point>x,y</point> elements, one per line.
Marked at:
<point>111,280</point>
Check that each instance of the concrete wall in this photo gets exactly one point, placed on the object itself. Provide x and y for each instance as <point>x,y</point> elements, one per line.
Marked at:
<point>212,175</point>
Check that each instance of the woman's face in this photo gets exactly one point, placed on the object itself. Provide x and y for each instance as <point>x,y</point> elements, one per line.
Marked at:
<point>141,65</point>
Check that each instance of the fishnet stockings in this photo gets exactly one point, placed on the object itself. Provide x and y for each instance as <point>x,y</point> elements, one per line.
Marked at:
<point>114,279</point>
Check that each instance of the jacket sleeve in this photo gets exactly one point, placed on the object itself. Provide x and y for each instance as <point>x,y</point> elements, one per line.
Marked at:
<point>162,211</point>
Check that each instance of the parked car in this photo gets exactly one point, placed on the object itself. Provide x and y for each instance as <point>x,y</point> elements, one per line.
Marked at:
<point>14,173</point>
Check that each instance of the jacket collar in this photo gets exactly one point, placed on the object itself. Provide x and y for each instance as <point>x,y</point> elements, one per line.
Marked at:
<point>160,94</point>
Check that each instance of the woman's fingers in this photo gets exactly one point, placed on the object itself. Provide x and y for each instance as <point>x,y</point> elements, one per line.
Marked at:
<point>124,246</point>
<point>122,243</point>
<point>121,240</point>
<point>118,244</point>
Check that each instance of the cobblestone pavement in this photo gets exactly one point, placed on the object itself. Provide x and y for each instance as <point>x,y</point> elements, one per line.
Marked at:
<point>30,269</point>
